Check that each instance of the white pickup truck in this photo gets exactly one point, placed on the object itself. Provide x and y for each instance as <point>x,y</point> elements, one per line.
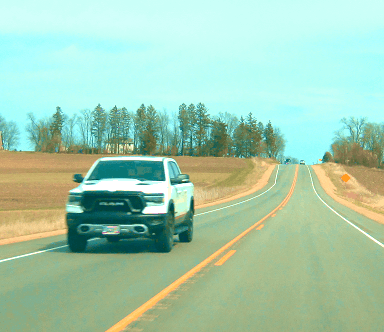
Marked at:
<point>130,197</point>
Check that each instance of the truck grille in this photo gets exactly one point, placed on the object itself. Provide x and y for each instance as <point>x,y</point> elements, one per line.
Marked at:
<point>113,201</point>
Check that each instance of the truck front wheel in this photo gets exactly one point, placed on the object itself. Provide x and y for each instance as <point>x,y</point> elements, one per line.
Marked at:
<point>76,242</point>
<point>164,240</point>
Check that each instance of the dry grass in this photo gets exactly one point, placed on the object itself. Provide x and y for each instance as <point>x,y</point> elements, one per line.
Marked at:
<point>238,181</point>
<point>356,191</point>
<point>34,186</point>
<point>18,223</point>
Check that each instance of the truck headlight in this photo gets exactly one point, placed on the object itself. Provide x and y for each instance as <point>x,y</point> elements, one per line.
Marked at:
<point>74,200</point>
<point>154,199</point>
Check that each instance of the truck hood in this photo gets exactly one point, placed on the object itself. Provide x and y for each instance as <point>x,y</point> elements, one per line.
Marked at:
<point>121,185</point>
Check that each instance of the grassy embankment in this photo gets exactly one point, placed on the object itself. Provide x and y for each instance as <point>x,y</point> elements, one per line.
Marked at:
<point>34,186</point>
<point>364,189</point>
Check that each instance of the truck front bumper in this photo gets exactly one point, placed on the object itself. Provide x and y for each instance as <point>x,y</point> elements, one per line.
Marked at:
<point>130,225</point>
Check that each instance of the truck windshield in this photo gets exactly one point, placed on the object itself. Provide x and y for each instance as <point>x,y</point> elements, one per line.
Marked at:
<point>142,170</point>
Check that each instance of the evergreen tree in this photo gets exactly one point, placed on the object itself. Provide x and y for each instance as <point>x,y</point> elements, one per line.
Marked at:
<point>99,125</point>
<point>185,126</point>
<point>270,140</point>
<point>191,115</point>
<point>219,138</point>
<point>202,125</point>
<point>114,126</point>
<point>56,129</point>
<point>239,138</point>
<point>151,130</point>
<point>139,126</point>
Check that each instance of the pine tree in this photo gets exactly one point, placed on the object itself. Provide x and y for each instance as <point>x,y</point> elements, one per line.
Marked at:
<point>99,125</point>
<point>270,140</point>
<point>185,126</point>
<point>114,125</point>
<point>219,139</point>
<point>239,139</point>
<point>139,126</point>
<point>191,115</point>
<point>151,131</point>
<point>56,129</point>
<point>202,125</point>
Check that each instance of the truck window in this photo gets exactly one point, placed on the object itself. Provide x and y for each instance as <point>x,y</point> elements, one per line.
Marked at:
<point>175,169</point>
<point>171,171</point>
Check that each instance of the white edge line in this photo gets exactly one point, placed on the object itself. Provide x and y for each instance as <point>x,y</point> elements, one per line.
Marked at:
<point>200,214</point>
<point>249,199</point>
<point>352,224</point>
<point>36,252</point>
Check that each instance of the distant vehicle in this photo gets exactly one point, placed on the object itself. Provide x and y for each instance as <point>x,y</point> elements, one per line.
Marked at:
<point>287,161</point>
<point>302,162</point>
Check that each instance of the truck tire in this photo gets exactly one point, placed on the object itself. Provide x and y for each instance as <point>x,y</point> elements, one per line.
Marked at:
<point>164,240</point>
<point>76,242</point>
<point>187,235</point>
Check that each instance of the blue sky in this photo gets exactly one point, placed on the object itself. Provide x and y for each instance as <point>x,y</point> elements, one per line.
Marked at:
<point>301,64</point>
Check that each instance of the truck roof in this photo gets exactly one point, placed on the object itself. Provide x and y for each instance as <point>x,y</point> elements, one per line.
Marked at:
<point>147,158</point>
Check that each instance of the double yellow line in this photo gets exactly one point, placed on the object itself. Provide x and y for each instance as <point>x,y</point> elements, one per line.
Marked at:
<point>158,297</point>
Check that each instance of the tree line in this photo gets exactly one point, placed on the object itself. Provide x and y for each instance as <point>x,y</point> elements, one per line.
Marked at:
<point>358,142</point>
<point>191,131</point>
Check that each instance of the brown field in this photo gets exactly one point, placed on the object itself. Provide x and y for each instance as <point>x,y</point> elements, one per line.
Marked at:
<point>364,189</point>
<point>34,186</point>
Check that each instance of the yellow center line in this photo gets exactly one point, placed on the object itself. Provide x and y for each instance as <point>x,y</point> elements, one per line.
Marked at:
<point>134,315</point>
<point>274,215</point>
<point>260,227</point>
<point>223,259</point>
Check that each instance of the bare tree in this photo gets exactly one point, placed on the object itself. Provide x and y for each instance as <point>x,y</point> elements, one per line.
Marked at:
<point>175,135</point>
<point>280,143</point>
<point>10,134</point>
<point>355,128</point>
<point>84,122</point>
<point>68,132</point>
<point>373,140</point>
<point>39,134</point>
<point>163,130</point>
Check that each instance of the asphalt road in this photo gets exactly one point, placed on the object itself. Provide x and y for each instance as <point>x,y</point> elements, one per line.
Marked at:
<point>301,267</point>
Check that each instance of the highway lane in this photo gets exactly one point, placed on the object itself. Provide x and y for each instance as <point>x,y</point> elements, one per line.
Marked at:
<point>305,268</point>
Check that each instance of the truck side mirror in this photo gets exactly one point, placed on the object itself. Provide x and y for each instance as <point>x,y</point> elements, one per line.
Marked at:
<point>78,178</point>
<point>183,178</point>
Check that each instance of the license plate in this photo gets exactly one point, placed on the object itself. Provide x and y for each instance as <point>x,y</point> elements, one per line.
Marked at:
<point>111,230</point>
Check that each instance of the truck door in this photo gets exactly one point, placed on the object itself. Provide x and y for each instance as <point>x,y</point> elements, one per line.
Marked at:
<point>175,193</point>
<point>181,192</point>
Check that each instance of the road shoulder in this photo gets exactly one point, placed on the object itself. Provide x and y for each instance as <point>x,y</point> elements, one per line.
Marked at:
<point>330,190</point>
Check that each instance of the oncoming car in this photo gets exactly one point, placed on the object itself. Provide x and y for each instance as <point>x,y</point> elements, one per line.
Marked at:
<point>302,162</point>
